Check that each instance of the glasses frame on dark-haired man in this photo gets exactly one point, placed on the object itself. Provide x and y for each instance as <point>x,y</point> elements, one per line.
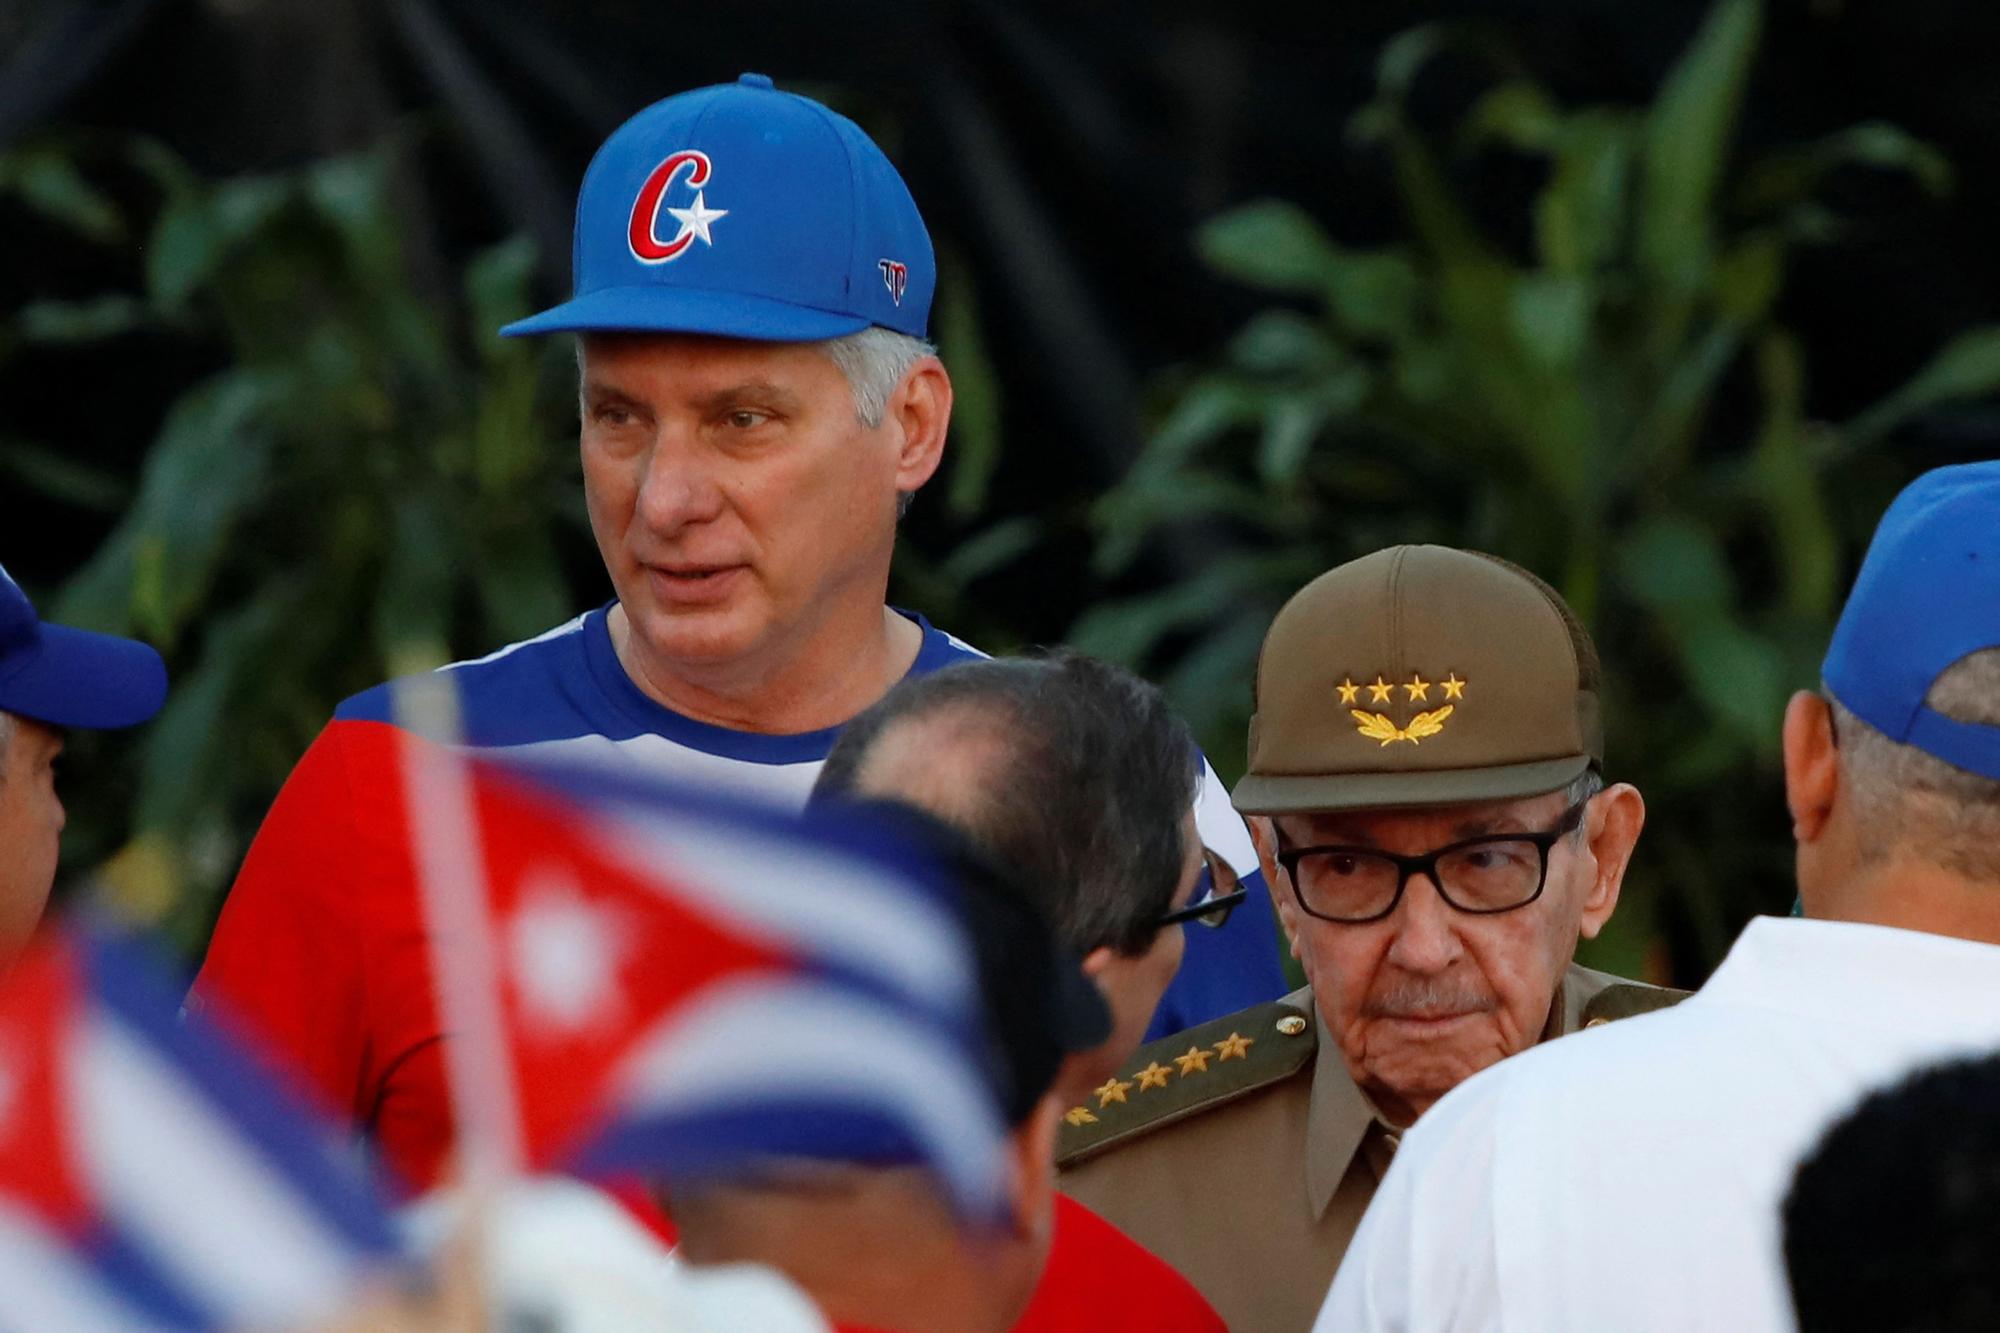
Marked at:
<point>1225,891</point>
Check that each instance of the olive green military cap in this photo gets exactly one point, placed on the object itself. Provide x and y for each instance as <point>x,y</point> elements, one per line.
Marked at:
<point>1420,675</point>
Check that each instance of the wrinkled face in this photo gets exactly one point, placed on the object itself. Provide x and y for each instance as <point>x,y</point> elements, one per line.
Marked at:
<point>1428,996</point>
<point>1133,983</point>
<point>31,824</point>
<point>736,498</point>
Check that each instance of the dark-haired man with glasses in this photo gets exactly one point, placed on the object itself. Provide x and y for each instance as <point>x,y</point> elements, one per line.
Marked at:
<point>1426,796</point>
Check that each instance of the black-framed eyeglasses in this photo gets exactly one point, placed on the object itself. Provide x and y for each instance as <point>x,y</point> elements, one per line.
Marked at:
<point>1223,892</point>
<point>1495,872</point>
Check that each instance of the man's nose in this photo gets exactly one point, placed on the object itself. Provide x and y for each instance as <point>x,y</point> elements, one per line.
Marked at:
<point>1426,929</point>
<point>679,485</point>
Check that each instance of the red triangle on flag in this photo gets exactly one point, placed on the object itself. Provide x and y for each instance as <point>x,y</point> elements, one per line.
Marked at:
<point>593,957</point>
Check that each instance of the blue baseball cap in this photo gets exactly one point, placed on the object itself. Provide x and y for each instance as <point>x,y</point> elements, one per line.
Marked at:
<point>744,212</point>
<point>1928,594</point>
<point>72,677</point>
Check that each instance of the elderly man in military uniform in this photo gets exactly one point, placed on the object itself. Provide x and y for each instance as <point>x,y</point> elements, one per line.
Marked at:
<point>1425,793</point>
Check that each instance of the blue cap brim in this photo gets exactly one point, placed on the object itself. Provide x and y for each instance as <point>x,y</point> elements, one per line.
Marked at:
<point>77,678</point>
<point>687,310</point>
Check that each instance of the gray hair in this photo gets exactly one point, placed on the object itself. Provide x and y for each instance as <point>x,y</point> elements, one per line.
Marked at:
<point>1909,800</point>
<point>1584,786</point>
<point>874,362</point>
<point>1089,794</point>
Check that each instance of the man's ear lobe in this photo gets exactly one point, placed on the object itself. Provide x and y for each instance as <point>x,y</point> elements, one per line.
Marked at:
<point>1264,836</point>
<point>1613,823</point>
<point>1812,763</point>
<point>922,407</point>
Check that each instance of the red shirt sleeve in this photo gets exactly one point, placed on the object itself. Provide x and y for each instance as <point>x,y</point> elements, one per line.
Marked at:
<point>320,953</point>
<point>1098,1278</point>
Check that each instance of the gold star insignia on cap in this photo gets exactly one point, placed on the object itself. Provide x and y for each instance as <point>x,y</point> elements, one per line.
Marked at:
<point>1112,1091</point>
<point>1348,690</point>
<point>1235,1046</point>
<point>1195,1061</point>
<point>1380,690</point>
<point>1079,1115</point>
<point>1154,1075</point>
<point>1418,688</point>
<point>1454,688</point>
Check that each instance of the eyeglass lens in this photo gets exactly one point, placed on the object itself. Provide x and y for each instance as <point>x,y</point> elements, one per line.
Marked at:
<point>1486,877</point>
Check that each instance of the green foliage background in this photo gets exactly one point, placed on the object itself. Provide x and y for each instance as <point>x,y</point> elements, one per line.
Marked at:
<point>371,482</point>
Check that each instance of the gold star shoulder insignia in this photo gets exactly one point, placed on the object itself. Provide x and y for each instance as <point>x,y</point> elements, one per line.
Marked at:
<point>1348,690</point>
<point>1196,1060</point>
<point>1112,1091</point>
<point>1154,1075</point>
<point>1418,688</point>
<point>1079,1115</point>
<point>1454,688</point>
<point>1380,691</point>
<point>1235,1046</point>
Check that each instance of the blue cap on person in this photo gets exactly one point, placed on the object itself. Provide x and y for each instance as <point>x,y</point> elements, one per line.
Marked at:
<point>1928,594</point>
<point>744,212</point>
<point>72,677</point>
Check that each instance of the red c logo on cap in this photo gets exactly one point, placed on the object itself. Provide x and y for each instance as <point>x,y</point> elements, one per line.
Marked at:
<point>639,233</point>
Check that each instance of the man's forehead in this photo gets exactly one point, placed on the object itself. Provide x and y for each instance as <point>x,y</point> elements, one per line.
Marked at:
<point>1383,827</point>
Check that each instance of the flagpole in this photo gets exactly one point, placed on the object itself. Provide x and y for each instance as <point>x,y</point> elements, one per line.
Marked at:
<point>451,881</point>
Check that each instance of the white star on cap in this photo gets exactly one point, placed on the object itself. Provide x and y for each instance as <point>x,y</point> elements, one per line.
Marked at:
<point>565,955</point>
<point>696,219</point>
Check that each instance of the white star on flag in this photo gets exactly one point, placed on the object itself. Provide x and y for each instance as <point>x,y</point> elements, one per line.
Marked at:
<point>565,956</point>
<point>696,219</point>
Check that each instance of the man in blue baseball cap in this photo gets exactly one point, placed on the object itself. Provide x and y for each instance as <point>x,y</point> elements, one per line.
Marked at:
<point>52,678</point>
<point>1631,1177</point>
<point>758,401</point>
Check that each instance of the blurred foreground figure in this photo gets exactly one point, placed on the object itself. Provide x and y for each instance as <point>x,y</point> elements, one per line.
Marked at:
<point>873,1242</point>
<point>1893,1222</point>
<point>151,1176</point>
<point>752,289</point>
<point>52,677</point>
<point>1077,778</point>
<point>1630,1179</point>
<point>1427,803</point>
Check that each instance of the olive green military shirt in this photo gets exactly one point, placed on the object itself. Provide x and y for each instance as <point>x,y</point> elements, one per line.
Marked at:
<point>1236,1154</point>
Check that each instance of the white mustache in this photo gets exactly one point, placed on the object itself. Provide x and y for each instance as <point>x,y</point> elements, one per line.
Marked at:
<point>1428,997</point>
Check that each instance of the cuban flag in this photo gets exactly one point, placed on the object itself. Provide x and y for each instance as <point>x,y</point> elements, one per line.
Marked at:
<point>150,1176</point>
<point>689,983</point>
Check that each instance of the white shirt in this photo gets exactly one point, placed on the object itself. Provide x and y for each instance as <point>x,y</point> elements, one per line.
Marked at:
<point>1629,1178</point>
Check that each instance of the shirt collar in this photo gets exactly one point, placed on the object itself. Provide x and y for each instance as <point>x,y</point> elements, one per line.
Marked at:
<point>1873,976</point>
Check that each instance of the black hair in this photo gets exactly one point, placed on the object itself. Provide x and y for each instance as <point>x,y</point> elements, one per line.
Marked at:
<point>1892,1224</point>
<point>1087,803</point>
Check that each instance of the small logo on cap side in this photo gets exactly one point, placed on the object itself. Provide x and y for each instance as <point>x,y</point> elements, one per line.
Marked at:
<point>641,232</point>
<point>1382,728</point>
<point>895,276</point>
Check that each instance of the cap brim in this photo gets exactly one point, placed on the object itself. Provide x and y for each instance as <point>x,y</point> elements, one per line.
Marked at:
<point>77,678</point>
<point>687,310</point>
<point>1295,794</point>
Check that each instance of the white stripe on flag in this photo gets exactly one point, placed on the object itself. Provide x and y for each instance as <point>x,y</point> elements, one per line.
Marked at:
<point>200,1201</point>
<point>44,1285</point>
<point>759,1038</point>
<point>817,900</point>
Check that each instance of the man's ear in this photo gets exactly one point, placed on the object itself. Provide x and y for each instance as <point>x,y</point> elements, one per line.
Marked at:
<point>1812,764</point>
<point>1096,961</point>
<point>1611,825</point>
<point>1034,1169</point>
<point>921,406</point>
<point>1264,837</point>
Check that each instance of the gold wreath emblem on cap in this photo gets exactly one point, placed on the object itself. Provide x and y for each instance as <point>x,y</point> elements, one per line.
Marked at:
<point>1382,728</point>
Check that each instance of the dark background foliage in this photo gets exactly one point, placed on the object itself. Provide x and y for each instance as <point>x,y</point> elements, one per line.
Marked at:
<point>251,408</point>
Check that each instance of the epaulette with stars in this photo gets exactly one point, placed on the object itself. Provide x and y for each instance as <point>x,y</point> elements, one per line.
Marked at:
<point>1190,1072</point>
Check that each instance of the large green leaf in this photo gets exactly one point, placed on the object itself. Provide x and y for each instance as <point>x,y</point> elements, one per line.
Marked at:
<point>207,466</point>
<point>1270,244</point>
<point>45,176</point>
<point>1670,563</point>
<point>1688,138</point>
<point>1967,367</point>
